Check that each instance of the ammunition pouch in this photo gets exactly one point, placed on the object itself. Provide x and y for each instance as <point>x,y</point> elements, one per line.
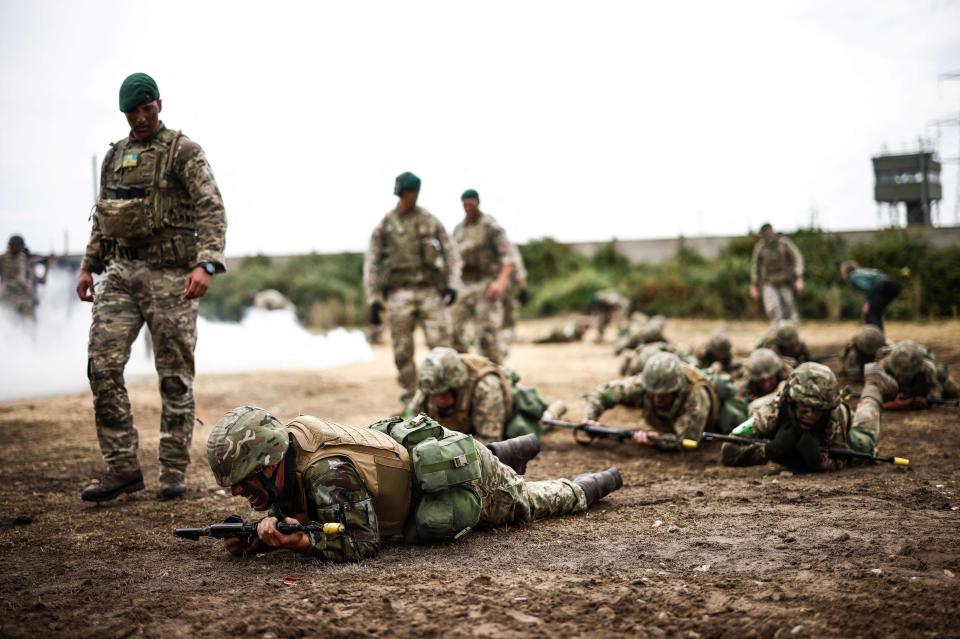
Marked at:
<point>126,219</point>
<point>446,471</point>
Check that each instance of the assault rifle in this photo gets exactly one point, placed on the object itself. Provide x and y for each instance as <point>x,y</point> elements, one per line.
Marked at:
<point>847,393</point>
<point>584,433</point>
<point>836,453</point>
<point>234,527</point>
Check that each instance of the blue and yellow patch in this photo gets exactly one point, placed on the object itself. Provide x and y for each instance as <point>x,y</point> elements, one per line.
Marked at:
<point>130,159</point>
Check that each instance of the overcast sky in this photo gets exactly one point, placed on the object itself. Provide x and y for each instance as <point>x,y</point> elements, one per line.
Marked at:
<point>577,120</point>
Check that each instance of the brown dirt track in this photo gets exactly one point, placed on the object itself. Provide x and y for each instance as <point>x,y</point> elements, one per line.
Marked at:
<point>741,553</point>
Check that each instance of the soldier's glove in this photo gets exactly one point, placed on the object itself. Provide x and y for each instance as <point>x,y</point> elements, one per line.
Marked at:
<point>781,448</point>
<point>375,311</point>
<point>523,296</point>
<point>808,449</point>
<point>449,296</point>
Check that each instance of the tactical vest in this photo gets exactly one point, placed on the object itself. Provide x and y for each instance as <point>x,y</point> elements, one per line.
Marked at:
<point>478,251</point>
<point>695,380</point>
<point>776,267</point>
<point>144,205</point>
<point>477,367</point>
<point>15,270</point>
<point>383,464</point>
<point>413,255</point>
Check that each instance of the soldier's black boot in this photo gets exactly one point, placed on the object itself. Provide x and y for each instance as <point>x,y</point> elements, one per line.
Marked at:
<point>516,452</point>
<point>599,485</point>
<point>172,484</point>
<point>112,485</point>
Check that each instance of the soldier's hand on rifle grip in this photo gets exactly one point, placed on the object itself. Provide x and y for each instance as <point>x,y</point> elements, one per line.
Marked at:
<point>643,438</point>
<point>241,546</point>
<point>268,533</point>
<point>85,286</point>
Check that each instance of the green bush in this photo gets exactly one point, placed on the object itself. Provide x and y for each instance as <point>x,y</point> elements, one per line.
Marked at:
<point>327,289</point>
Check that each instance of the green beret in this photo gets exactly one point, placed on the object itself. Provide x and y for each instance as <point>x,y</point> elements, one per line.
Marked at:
<point>137,89</point>
<point>406,182</point>
<point>470,194</point>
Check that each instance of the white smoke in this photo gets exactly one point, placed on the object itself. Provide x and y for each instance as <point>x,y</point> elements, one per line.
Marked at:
<point>49,356</point>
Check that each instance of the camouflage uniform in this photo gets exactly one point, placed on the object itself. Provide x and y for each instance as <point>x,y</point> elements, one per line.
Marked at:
<point>785,341</point>
<point>332,489</point>
<point>638,333</point>
<point>763,364</point>
<point>484,397</point>
<point>409,262</point>
<point>484,249</point>
<point>508,328</point>
<point>571,331</point>
<point>774,268</point>
<point>918,372</point>
<point>694,408</point>
<point>718,350</point>
<point>607,306</point>
<point>813,385</point>
<point>16,282</point>
<point>144,284</point>
<point>862,350</point>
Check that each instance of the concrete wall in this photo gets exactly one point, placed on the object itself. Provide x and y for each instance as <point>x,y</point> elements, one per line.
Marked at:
<point>657,250</point>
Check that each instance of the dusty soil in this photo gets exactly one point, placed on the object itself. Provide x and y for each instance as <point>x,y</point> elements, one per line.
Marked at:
<point>869,552</point>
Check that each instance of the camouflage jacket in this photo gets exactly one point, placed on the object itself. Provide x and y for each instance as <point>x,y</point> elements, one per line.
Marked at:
<point>15,271</point>
<point>335,492</point>
<point>687,419</point>
<point>409,248</point>
<point>798,354</point>
<point>484,248</point>
<point>773,414</point>
<point>489,408</point>
<point>520,268</point>
<point>199,203</point>
<point>778,262</point>
<point>927,383</point>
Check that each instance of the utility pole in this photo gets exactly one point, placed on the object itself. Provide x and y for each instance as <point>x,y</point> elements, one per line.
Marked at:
<point>954,121</point>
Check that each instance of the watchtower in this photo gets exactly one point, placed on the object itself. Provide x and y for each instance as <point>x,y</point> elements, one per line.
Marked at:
<point>911,178</point>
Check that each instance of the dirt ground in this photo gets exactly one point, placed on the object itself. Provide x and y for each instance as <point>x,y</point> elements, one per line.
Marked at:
<point>867,552</point>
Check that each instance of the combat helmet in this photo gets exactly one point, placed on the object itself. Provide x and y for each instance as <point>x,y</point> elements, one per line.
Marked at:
<point>787,334</point>
<point>640,359</point>
<point>869,340</point>
<point>719,345</point>
<point>814,385</point>
<point>443,370</point>
<point>244,442</point>
<point>763,363</point>
<point>906,359</point>
<point>663,374</point>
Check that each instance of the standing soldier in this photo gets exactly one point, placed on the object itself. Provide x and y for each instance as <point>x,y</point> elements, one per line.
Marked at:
<point>879,288</point>
<point>16,278</point>
<point>607,306</point>
<point>413,269</point>
<point>776,271</point>
<point>518,281</point>
<point>158,230</point>
<point>488,263</point>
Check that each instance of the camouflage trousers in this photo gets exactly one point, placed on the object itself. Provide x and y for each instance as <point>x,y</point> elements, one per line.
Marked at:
<point>132,295</point>
<point>509,499</point>
<point>18,299</point>
<point>779,302</point>
<point>509,323</point>
<point>406,308</point>
<point>485,314</point>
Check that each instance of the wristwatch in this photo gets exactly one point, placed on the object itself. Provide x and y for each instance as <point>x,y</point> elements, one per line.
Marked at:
<point>209,267</point>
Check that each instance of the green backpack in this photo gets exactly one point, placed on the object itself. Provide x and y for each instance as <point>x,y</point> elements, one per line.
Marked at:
<point>446,474</point>
<point>528,408</point>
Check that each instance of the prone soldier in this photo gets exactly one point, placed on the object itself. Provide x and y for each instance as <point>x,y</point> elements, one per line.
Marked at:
<point>409,478</point>
<point>861,350</point>
<point>718,353</point>
<point>920,377</point>
<point>785,341</point>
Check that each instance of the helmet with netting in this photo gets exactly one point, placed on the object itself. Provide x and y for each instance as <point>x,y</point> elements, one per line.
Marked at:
<point>244,442</point>
<point>814,385</point>
<point>443,370</point>
<point>869,340</point>
<point>663,374</point>
<point>905,359</point>
<point>763,363</point>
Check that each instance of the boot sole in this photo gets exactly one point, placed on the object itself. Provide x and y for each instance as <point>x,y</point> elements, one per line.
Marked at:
<point>126,488</point>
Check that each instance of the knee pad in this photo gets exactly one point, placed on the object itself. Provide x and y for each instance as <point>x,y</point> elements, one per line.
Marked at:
<point>173,386</point>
